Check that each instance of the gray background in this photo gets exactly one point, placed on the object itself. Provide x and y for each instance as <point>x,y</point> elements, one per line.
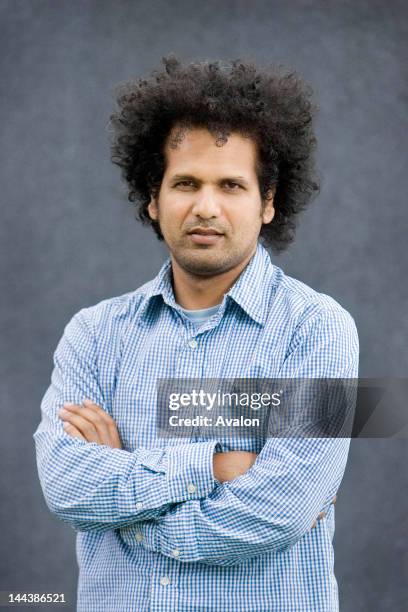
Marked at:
<point>69,239</point>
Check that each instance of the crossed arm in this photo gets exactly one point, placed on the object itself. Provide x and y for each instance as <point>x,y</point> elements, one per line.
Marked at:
<point>170,494</point>
<point>233,522</point>
<point>89,422</point>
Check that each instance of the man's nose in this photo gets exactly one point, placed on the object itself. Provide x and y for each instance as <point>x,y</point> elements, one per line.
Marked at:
<point>206,203</point>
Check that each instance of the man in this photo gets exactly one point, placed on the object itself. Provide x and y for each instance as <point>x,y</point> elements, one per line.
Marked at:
<point>218,157</point>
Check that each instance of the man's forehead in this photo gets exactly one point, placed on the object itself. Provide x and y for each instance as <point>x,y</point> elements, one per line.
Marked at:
<point>181,136</point>
<point>192,146</point>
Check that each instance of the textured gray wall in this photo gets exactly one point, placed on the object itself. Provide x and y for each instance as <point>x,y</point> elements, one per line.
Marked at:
<point>68,237</point>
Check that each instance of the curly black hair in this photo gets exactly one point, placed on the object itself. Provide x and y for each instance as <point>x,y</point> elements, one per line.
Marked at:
<point>273,105</point>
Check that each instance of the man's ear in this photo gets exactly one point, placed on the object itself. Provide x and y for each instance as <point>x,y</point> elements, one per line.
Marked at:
<point>152,209</point>
<point>268,210</point>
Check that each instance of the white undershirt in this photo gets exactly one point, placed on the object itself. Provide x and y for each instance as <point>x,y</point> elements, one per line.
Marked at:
<point>200,316</point>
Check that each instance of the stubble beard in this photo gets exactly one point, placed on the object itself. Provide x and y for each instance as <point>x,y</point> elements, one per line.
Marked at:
<point>204,261</point>
<point>208,261</point>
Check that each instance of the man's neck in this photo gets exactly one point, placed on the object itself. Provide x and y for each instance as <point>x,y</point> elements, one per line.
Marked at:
<point>197,292</point>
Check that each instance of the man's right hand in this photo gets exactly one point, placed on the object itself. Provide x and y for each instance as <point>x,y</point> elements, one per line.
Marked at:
<point>232,464</point>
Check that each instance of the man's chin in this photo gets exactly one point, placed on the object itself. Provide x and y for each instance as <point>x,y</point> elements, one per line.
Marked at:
<point>202,262</point>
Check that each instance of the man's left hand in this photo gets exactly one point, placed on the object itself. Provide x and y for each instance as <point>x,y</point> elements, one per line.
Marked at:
<point>91,423</point>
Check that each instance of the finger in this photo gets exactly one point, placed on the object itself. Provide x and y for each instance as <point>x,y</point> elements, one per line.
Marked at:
<point>93,417</point>
<point>111,430</point>
<point>72,431</point>
<point>334,499</point>
<point>103,424</point>
<point>319,517</point>
<point>85,426</point>
<point>98,410</point>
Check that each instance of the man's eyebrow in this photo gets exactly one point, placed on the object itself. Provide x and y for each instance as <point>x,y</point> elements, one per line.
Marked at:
<point>190,177</point>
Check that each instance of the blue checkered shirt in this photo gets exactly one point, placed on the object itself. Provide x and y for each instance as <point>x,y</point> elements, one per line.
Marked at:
<point>155,531</point>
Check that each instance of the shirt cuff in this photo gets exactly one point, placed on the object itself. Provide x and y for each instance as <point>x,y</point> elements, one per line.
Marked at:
<point>190,473</point>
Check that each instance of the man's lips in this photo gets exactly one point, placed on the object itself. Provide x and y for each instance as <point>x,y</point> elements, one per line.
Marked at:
<point>201,235</point>
<point>205,231</point>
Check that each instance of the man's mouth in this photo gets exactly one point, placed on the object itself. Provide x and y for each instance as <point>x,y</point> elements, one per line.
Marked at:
<point>201,235</point>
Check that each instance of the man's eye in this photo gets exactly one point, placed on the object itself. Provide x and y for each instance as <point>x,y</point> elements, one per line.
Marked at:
<point>231,185</point>
<point>184,183</point>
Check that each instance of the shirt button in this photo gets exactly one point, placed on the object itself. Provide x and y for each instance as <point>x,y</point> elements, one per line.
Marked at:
<point>193,343</point>
<point>176,552</point>
<point>164,580</point>
<point>139,506</point>
<point>191,488</point>
<point>139,536</point>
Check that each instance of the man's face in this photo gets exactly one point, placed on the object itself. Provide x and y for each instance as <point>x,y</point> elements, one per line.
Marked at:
<point>206,188</point>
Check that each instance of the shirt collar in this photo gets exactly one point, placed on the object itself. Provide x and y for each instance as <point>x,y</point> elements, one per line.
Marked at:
<point>250,287</point>
<point>248,290</point>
